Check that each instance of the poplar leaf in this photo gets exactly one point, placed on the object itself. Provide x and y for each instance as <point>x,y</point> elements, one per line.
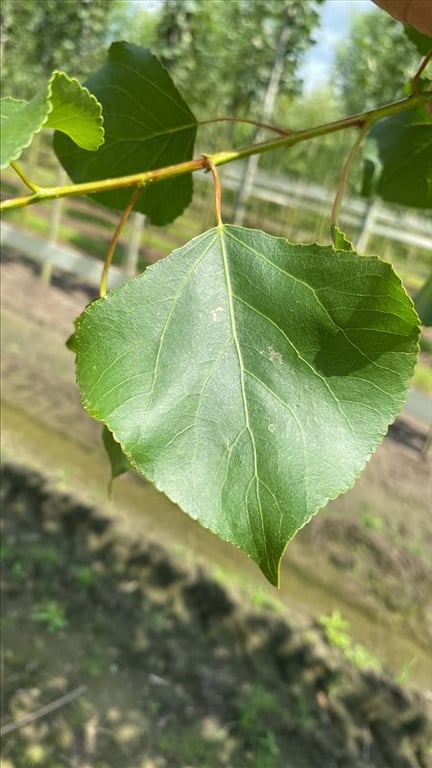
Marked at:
<point>423,301</point>
<point>250,379</point>
<point>398,159</point>
<point>147,125</point>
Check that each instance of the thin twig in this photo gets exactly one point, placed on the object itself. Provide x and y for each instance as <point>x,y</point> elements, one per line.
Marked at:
<point>416,79</point>
<point>334,218</point>
<point>43,711</point>
<point>217,189</point>
<point>219,158</point>
<point>114,240</point>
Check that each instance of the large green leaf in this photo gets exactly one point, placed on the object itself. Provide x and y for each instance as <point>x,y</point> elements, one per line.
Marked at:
<point>422,42</point>
<point>250,379</point>
<point>423,301</point>
<point>63,103</point>
<point>398,159</point>
<point>147,125</point>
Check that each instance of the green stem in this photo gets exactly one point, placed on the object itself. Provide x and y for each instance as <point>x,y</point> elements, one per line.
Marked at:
<point>334,218</point>
<point>219,158</point>
<point>23,176</point>
<point>114,240</point>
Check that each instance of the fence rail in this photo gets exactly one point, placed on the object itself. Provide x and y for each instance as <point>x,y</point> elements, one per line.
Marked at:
<point>368,219</point>
<point>362,217</point>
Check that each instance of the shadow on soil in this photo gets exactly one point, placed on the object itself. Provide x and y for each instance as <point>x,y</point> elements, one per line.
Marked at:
<point>177,674</point>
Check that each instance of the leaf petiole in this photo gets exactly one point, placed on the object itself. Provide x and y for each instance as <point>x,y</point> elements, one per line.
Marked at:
<point>334,218</point>
<point>23,176</point>
<point>114,240</point>
<point>217,189</point>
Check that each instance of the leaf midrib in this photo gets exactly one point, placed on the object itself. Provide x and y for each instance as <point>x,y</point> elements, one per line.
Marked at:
<point>230,295</point>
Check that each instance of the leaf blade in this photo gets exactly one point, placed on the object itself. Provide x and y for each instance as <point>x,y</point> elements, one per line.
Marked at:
<point>398,159</point>
<point>75,112</point>
<point>147,124</point>
<point>250,379</point>
<point>20,120</point>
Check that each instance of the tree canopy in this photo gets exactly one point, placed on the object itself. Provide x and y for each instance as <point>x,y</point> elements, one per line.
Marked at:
<point>221,54</point>
<point>72,37</point>
<point>374,62</point>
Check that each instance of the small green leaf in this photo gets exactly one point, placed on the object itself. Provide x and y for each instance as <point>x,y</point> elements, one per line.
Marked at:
<point>147,125</point>
<point>423,301</point>
<point>250,379</point>
<point>75,111</point>
<point>340,240</point>
<point>398,159</point>
<point>20,120</point>
<point>118,461</point>
<point>63,104</point>
<point>422,42</point>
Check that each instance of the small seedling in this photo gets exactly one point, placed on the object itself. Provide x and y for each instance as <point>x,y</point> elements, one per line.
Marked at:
<point>52,615</point>
<point>336,631</point>
<point>372,522</point>
<point>85,576</point>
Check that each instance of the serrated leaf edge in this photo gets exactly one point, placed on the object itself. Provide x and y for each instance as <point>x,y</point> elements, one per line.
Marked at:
<point>357,472</point>
<point>49,109</point>
<point>58,73</point>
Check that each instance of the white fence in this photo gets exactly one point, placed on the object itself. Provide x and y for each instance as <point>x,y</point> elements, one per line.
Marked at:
<point>365,217</point>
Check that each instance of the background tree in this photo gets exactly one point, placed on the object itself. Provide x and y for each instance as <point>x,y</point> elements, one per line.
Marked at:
<point>73,37</point>
<point>374,63</point>
<point>221,54</point>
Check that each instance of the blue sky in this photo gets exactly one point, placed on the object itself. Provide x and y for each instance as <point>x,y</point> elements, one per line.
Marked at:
<point>336,17</point>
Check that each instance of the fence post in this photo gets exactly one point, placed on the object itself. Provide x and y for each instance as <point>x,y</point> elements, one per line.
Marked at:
<point>54,226</point>
<point>370,215</point>
<point>138,221</point>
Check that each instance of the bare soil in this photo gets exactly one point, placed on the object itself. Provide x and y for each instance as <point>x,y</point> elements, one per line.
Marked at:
<point>181,669</point>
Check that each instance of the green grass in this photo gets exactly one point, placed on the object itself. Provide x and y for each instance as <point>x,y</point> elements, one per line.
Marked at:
<point>336,631</point>
<point>258,707</point>
<point>51,614</point>
<point>372,522</point>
